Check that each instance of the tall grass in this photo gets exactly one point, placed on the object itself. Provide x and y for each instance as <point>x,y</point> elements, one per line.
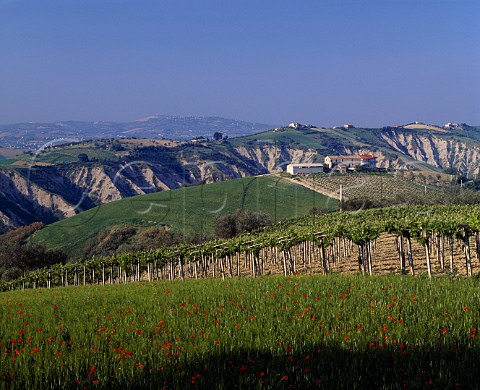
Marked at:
<point>335,331</point>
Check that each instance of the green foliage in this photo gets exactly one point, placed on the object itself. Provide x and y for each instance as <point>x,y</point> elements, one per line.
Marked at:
<point>225,226</point>
<point>17,257</point>
<point>16,260</point>
<point>231,225</point>
<point>126,238</point>
<point>83,157</point>
<point>317,211</point>
<point>422,223</point>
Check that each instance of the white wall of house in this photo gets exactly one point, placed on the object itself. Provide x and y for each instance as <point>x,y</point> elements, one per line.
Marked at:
<point>350,161</point>
<point>304,169</point>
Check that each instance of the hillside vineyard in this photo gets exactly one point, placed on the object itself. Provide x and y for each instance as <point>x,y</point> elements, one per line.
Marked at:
<point>435,239</point>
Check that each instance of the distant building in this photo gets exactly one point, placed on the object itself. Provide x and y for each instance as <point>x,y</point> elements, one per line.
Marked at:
<point>351,161</point>
<point>451,125</point>
<point>296,125</point>
<point>199,139</point>
<point>304,169</point>
<point>348,126</point>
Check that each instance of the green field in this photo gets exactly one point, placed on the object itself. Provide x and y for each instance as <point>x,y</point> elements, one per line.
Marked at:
<point>67,154</point>
<point>325,141</point>
<point>341,332</point>
<point>189,210</point>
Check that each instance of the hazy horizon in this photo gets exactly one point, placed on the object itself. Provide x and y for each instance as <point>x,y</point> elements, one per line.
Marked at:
<point>327,125</point>
<point>373,63</point>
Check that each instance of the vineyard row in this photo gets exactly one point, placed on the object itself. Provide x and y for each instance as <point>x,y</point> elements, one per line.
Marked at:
<point>316,243</point>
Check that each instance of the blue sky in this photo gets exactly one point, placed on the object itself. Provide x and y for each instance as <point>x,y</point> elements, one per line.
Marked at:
<point>324,62</point>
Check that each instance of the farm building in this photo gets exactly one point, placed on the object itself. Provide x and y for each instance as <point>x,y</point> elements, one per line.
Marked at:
<point>352,161</point>
<point>304,169</point>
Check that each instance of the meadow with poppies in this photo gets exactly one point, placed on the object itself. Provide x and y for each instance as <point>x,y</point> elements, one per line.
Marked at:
<point>336,331</point>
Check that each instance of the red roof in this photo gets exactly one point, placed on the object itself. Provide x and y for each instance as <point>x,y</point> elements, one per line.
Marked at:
<point>365,156</point>
<point>350,156</point>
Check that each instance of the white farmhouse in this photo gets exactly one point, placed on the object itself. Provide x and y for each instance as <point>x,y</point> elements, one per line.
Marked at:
<point>352,161</point>
<point>304,169</point>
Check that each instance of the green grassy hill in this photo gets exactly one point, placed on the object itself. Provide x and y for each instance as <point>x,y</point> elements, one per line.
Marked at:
<point>189,210</point>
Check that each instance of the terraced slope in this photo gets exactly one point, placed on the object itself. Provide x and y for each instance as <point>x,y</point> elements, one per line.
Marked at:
<point>378,188</point>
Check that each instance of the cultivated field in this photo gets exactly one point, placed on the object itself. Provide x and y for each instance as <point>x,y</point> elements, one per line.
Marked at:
<point>379,188</point>
<point>336,332</point>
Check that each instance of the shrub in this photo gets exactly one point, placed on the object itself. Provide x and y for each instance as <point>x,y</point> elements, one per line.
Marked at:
<point>229,225</point>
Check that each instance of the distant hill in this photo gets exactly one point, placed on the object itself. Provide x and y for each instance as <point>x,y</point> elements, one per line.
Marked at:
<point>424,147</point>
<point>33,135</point>
<point>61,181</point>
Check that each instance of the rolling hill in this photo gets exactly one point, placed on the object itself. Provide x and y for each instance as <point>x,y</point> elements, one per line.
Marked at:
<point>61,181</point>
<point>33,135</point>
<point>189,211</point>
